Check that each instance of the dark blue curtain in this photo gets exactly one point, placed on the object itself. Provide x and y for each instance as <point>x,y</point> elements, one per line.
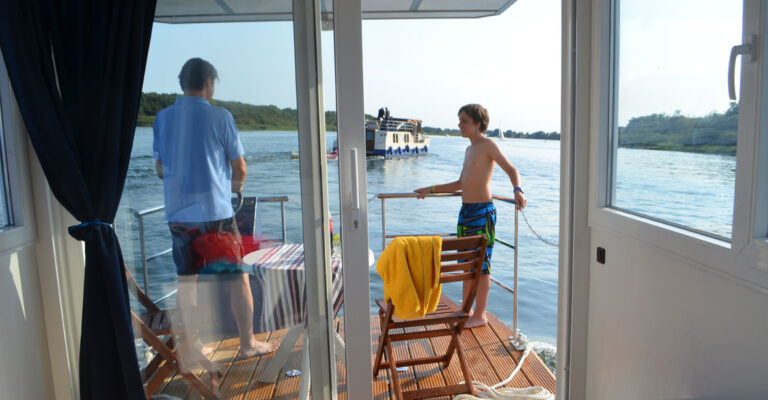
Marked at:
<point>77,69</point>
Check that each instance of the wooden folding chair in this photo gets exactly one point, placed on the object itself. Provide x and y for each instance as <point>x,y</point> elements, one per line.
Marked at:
<point>156,322</point>
<point>461,260</point>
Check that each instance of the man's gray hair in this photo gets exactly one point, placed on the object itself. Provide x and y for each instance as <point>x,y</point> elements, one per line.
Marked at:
<point>195,72</point>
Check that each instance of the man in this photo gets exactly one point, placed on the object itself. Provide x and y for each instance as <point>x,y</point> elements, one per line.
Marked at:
<point>199,157</point>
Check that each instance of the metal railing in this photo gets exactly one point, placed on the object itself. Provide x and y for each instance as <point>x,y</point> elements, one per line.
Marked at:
<point>140,214</point>
<point>395,124</point>
<point>384,236</point>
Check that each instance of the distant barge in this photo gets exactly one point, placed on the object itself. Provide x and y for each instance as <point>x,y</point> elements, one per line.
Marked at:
<point>395,137</point>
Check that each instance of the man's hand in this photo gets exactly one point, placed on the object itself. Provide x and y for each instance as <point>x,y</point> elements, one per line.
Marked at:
<point>159,169</point>
<point>520,201</point>
<point>423,192</point>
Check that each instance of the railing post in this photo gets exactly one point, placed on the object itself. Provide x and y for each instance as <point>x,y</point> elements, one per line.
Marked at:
<point>143,254</point>
<point>383,224</point>
<point>514,321</point>
<point>282,220</point>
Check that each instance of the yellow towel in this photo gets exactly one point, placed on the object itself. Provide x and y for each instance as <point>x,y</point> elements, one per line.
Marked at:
<point>410,268</point>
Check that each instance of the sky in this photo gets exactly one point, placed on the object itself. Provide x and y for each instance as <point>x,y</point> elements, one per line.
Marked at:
<point>671,59</point>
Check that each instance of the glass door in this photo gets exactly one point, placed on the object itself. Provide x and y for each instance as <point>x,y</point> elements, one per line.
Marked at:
<point>343,85</point>
<point>239,104</point>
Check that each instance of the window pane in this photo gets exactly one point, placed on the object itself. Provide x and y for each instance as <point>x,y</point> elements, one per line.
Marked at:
<point>676,130</point>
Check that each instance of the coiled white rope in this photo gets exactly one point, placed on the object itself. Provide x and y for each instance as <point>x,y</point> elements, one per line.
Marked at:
<point>493,392</point>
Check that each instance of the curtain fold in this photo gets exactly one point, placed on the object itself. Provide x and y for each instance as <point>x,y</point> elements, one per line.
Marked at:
<point>77,69</point>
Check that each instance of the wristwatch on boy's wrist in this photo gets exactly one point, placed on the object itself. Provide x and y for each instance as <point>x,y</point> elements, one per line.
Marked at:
<point>517,188</point>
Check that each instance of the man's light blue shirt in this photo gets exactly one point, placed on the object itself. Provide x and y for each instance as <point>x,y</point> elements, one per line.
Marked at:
<point>195,142</point>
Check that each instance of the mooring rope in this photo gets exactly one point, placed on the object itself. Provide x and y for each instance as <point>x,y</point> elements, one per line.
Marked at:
<point>495,393</point>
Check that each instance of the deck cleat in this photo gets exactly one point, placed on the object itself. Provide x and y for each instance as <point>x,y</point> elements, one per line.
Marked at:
<point>519,340</point>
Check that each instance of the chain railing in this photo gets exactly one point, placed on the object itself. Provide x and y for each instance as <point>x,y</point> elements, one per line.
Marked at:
<point>536,234</point>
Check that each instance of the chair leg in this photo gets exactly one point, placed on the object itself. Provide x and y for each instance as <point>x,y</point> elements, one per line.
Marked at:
<point>380,351</point>
<point>153,365</point>
<point>464,367</point>
<point>384,318</point>
<point>395,380</point>
<point>206,391</point>
<point>153,383</point>
<point>452,345</point>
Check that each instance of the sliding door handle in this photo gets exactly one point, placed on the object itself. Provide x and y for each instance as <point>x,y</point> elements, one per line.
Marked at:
<point>743,50</point>
<point>355,191</point>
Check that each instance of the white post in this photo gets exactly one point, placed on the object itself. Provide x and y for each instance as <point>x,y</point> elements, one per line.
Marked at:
<point>314,196</point>
<point>348,46</point>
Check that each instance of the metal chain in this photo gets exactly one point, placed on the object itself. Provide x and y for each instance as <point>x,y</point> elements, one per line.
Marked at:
<point>536,233</point>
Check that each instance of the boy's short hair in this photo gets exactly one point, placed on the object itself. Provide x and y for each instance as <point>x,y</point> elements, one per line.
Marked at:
<point>195,72</point>
<point>478,113</point>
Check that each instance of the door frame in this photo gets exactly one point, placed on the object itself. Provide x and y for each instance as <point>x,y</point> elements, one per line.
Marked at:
<point>348,46</point>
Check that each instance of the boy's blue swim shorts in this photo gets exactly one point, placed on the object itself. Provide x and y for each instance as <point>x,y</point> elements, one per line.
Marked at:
<point>479,219</point>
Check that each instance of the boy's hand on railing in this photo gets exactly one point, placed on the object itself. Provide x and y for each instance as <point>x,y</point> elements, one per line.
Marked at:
<point>520,201</point>
<point>423,192</point>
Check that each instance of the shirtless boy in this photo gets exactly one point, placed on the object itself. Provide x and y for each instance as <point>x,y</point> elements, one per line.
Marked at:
<point>478,215</point>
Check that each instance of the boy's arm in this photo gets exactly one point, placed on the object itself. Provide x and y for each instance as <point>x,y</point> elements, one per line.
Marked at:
<point>159,169</point>
<point>514,175</point>
<point>449,187</point>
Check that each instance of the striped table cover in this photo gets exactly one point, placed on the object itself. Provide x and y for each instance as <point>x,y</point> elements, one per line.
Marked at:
<point>280,273</point>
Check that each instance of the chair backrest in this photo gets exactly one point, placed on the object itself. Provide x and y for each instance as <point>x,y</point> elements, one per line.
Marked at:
<point>461,260</point>
<point>246,216</point>
<point>140,295</point>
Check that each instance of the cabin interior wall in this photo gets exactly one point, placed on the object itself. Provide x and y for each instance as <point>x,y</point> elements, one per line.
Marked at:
<point>25,369</point>
<point>661,326</point>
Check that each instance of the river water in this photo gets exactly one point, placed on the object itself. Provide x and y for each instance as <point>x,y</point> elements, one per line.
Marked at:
<point>655,182</point>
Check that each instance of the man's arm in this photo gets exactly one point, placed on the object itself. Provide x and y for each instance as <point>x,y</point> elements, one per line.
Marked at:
<point>514,175</point>
<point>238,174</point>
<point>159,169</point>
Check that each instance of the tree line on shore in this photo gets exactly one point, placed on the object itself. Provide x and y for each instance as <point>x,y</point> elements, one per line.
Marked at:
<point>510,134</point>
<point>248,117</point>
<point>714,133</point>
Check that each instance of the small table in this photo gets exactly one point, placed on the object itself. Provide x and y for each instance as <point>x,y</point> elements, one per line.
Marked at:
<point>280,273</point>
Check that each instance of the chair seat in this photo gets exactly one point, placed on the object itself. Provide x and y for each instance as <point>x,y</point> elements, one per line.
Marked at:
<point>165,322</point>
<point>159,322</point>
<point>446,310</point>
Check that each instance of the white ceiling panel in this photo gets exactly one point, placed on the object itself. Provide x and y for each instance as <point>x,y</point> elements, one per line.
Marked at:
<point>189,11</point>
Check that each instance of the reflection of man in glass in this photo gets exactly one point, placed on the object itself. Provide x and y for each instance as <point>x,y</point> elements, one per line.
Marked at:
<point>195,145</point>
